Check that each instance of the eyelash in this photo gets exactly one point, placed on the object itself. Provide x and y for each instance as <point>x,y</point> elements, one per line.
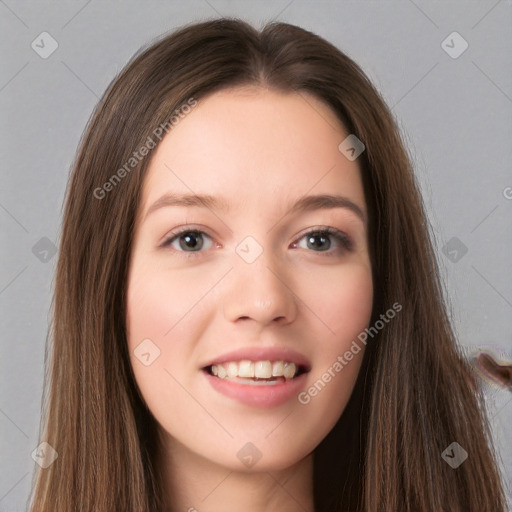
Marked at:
<point>343,240</point>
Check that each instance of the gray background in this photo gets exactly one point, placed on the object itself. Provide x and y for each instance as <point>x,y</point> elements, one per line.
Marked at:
<point>454,112</point>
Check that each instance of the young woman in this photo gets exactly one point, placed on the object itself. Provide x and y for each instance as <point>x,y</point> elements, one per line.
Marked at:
<point>248,312</point>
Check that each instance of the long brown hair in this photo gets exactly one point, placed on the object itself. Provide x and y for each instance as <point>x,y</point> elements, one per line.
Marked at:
<point>415,393</point>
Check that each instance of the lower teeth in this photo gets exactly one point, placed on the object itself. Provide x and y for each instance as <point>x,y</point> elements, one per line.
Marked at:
<point>256,381</point>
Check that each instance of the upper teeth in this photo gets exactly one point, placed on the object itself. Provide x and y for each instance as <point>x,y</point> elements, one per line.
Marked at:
<point>258,369</point>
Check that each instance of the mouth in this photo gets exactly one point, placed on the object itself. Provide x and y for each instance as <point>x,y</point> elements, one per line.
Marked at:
<point>256,373</point>
<point>263,383</point>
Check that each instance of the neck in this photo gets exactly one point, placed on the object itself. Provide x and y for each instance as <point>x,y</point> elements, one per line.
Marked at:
<point>192,483</point>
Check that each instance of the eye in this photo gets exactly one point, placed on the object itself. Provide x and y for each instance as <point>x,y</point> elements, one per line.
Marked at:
<point>321,240</point>
<point>187,240</point>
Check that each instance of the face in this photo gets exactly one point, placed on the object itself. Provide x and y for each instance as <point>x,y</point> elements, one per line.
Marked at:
<point>259,280</point>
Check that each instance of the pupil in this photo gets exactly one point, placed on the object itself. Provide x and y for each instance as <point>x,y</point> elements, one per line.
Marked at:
<point>191,241</point>
<point>323,239</point>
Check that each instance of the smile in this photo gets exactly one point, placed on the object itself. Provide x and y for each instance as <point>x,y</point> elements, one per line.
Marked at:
<point>256,373</point>
<point>260,384</point>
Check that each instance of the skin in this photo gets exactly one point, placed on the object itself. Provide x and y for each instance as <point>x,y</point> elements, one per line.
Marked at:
<point>261,150</point>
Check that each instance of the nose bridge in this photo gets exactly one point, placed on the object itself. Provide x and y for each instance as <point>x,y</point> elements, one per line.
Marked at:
<point>258,287</point>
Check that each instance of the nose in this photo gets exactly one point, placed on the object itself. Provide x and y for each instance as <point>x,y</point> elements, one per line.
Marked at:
<point>260,291</point>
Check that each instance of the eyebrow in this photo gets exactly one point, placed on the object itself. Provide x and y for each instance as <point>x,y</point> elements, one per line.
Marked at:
<point>304,204</point>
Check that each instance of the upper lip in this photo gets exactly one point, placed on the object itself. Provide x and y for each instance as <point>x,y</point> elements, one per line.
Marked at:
<point>263,354</point>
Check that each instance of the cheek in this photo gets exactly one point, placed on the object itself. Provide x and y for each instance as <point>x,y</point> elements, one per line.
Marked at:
<point>157,306</point>
<point>158,328</point>
<point>341,306</point>
<point>341,301</point>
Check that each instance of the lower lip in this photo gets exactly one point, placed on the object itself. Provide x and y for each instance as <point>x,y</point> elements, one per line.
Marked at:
<point>258,396</point>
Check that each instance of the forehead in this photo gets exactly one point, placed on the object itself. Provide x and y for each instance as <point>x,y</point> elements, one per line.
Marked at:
<point>254,145</point>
